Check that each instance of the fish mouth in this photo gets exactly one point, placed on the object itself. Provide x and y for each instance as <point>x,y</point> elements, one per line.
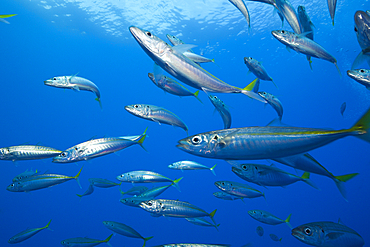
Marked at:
<point>183,145</point>
<point>134,31</point>
<point>275,33</point>
<point>351,73</point>
<point>297,234</point>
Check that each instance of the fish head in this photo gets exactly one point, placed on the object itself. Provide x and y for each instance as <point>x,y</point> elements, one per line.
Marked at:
<point>265,95</point>
<point>109,224</point>
<point>127,177</point>
<point>6,154</point>
<point>58,81</point>
<point>309,234</point>
<point>216,101</point>
<point>66,156</point>
<point>174,165</point>
<point>244,170</point>
<point>174,40</point>
<point>15,187</point>
<point>152,45</point>
<point>152,206</point>
<point>283,36</point>
<point>257,214</point>
<point>152,78</point>
<point>301,12</point>
<point>362,75</point>
<point>12,240</point>
<point>66,243</point>
<point>362,28</point>
<point>140,110</point>
<point>224,185</point>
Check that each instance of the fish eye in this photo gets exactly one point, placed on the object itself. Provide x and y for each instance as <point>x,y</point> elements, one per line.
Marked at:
<point>64,154</point>
<point>256,167</point>
<point>215,97</point>
<point>362,71</point>
<point>76,148</point>
<point>148,33</point>
<point>150,204</point>
<point>196,140</point>
<point>136,106</point>
<point>216,137</point>
<point>308,231</point>
<point>356,29</point>
<point>282,31</point>
<point>12,185</point>
<point>147,106</point>
<point>222,183</point>
<point>244,167</point>
<point>250,58</point>
<point>54,78</point>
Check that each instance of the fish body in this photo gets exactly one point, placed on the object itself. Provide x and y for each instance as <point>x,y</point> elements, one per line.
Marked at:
<point>156,114</point>
<point>198,58</point>
<point>201,222</point>
<point>89,191</point>
<point>260,231</point>
<point>27,152</point>
<point>190,165</point>
<point>362,29</point>
<point>267,142</point>
<point>40,181</point>
<point>257,68</point>
<point>304,45</point>
<point>26,234</point>
<point>274,102</point>
<point>74,82</point>
<point>362,76</point>
<point>222,109</point>
<point>289,13</point>
<point>238,189</point>
<point>332,4</point>
<point>84,242</point>
<point>268,218</point>
<point>275,238</point>
<point>226,196</point>
<point>181,67</point>
<point>102,183</point>
<point>240,5</point>
<point>98,147</point>
<point>124,230</point>
<point>154,192</point>
<point>327,234</point>
<point>24,175</point>
<point>343,108</point>
<point>135,191</point>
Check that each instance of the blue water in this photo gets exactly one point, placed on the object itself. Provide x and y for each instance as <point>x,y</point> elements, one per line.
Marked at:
<point>53,38</point>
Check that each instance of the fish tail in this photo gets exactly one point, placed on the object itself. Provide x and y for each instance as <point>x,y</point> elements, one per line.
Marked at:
<point>336,65</point>
<point>251,90</point>
<point>212,214</point>
<point>287,221</point>
<point>196,96</point>
<point>7,16</point>
<point>175,183</point>
<point>47,226</point>
<point>212,169</point>
<point>98,99</point>
<point>216,226</point>
<point>76,177</point>
<point>142,138</point>
<point>306,178</point>
<point>361,128</point>
<point>339,182</point>
<point>146,239</point>
<point>251,85</point>
<point>309,61</point>
<point>274,83</point>
<point>213,60</point>
<point>107,239</point>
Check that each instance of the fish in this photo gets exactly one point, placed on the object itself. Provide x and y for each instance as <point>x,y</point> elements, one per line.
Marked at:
<point>238,189</point>
<point>102,183</point>
<point>274,102</point>
<point>301,44</point>
<point>190,165</point>
<point>156,191</point>
<point>26,234</point>
<point>76,83</point>
<point>171,86</point>
<point>89,191</point>
<point>27,152</point>
<point>362,30</point>
<point>124,230</point>
<point>260,231</point>
<point>24,175</point>
<point>175,208</point>
<point>222,109</point>
<point>226,196</point>
<point>146,177</point>
<point>2,17</point>
<point>268,218</point>
<point>135,191</point>
<point>326,233</point>
<point>202,222</point>
<point>343,108</point>
<point>240,5</point>
<point>40,181</point>
<point>175,40</point>
<point>181,67</point>
<point>264,175</point>
<point>273,3</point>
<point>275,238</point>
<point>332,4</point>
<point>156,114</point>
<point>362,76</point>
<point>193,245</point>
<point>84,242</point>
<point>307,26</point>
<point>289,13</point>
<point>98,147</point>
<point>257,69</point>
<point>267,142</point>
<point>134,201</point>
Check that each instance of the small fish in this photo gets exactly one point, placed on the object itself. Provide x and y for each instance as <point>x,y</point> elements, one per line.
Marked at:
<point>40,181</point>
<point>240,5</point>
<point>193,245</point>
<point>134,201</point>
<point>198,58</point>
<point>202,222</point>
<point>326,233</point>
<point>102,183</point>
<point>260,231</point>
<point>226,196</point>
<point>362,30</point>
<point>135,191</point>
<point>175,40</point>
<point>156,114</point>
<point>84,242</point>
<point>2,17</point>
<point>238,189</point>
<point>89,191</point>
<point>24,175</point>
<point>332,4</point>
<point>156,191</point>
<point>307,26</point>
<point>26,234</point>
<point>268,218</point>
<point>76,83</point>
<point>274,102</point>
<point>257,68</point>
<point>190,165</point>
<point>362,76</point>
<point>343,108</point>
<point>287,10</point>
<point>124,230</point>
<point>146,177</point>
<point>301,44</point>
<point>275,238</point>
<point>222,109</point>
<point>27,152</point>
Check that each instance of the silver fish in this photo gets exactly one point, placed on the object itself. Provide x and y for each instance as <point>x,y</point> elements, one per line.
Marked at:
<point>226,196</point>
<point>181,67</point>
<point>257,68</point>
<point>307,26</point>
<point>98,147</point>
<point>26,234</point>
<point>74,82</point>
<point>84,242</point>
<point>202,222</point>
<point>268,218</point>
<point>156,191</point>
<point>304,45</point>
<point>198,58</point>
<point>287,10</point>
<point>326,233</point>
<point>156,114</point>
<point>362,29</point>
<point>274,102</point>
<point>134,201</point>
<point>102,183</point>
<point>27,152</point>
<point>240,5</point>
<point>238,189</point>
<point>362,76</point>
<point>222,109</point>
<point>332,4</point>
<point>135,191</point>
<point>190,165</point>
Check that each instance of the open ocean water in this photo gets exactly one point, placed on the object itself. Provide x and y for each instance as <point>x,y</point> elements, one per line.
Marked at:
<point>55,38</point>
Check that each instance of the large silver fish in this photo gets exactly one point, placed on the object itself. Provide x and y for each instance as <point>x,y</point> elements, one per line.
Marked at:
<point>289,13</point>
<point>181,67</point>
<point>274,102</point>
<point>267,142</point>
<point>27,152</point>
<point>326,233</point>
<point>304,45</point>
<point>222,109</point>
<point>240,5</point>
<point>156,114</point>
<point>362,29</point>
<point>74,82</point>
